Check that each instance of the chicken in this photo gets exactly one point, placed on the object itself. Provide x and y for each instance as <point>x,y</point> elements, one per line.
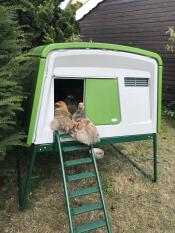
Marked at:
<point>71,104</point>
<point>79,114</point>
<point>85,132</point>
<point>62,119</point>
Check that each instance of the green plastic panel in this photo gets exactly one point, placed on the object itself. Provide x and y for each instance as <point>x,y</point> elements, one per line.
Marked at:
<point>36,100</point>
<point>43,51</point>
<point>29,87</point>
<point>102,105</point>
<point>159,98</point>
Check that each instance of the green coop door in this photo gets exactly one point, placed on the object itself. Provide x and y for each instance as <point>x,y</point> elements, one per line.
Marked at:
<point>101,98</point>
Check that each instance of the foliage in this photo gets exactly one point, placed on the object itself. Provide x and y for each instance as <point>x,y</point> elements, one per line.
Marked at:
<point>169,110</point>
<point>25,24</point>
<point>43,22</point>
<point>11,92</point>
<point>171,39</point>
<point>67,23</point>
<point>107,187</point>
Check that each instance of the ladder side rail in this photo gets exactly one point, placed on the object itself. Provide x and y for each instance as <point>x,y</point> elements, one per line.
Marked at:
<point>100,190</point>
<point>58,142</point>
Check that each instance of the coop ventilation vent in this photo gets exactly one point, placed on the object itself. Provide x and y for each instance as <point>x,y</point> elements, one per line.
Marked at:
<point>136,82</point>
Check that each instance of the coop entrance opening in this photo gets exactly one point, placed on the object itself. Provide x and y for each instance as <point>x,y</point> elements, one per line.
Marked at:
<point>69,87</point>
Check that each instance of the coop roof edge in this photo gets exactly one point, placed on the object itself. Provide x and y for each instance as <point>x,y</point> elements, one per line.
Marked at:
<point>43,51</point>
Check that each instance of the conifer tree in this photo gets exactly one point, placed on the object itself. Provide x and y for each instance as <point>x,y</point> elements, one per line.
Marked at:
<point>11,94</point>
<point>44,22</point>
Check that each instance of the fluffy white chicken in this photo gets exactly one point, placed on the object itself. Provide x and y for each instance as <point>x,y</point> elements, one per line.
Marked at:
<point>79,114</point>
<point>84,130</point>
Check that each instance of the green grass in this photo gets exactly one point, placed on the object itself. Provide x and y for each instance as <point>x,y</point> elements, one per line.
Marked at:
<point>135,204</point>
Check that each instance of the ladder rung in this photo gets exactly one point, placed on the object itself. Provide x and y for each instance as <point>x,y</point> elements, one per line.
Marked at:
<point>87,208</point>
<point>80,176</point>
<point>91,226</point>
<point>63,134</point>
<point>75,148</point>
<point>84,191</point>
<point>35,177</point>
<point>77,162</point>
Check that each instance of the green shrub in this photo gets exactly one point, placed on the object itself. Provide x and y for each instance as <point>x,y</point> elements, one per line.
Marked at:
<point>169,110</point>
<point>171,39</point>
<point>42,22</point>
<point>11,92</point>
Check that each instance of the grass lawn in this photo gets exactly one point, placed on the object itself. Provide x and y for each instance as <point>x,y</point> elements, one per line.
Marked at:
<point>135,204</point>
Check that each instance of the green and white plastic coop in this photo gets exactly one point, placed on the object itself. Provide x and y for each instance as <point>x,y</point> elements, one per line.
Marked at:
<point>120,86</point>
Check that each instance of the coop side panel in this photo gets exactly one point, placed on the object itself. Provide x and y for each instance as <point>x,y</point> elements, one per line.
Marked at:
<point>36,97</point>
<point>31,65</point>
<point>159,98</point>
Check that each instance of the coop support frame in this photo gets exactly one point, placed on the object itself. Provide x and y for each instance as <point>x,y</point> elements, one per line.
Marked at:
<point>153,176</point>
<point>23,191</point>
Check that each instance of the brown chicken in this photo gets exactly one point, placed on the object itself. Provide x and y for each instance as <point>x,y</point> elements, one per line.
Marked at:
<point>79,114</point>
<point>84,130</point>
<point>71,103</point>
<point>62,119</point>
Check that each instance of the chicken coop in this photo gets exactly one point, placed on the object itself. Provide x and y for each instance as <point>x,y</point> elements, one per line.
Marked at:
<point>119,85</point>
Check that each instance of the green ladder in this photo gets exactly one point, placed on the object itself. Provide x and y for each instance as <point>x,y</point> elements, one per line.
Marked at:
<point>69,195</point>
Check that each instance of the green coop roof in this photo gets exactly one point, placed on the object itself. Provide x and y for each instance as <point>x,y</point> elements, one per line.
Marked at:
<point>43,51</point>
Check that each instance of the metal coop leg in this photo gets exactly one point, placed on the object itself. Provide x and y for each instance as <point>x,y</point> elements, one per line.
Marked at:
<point>23,193</point>
<point>154,158</point>
<point>153,176</point>
<point>19,180</point>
